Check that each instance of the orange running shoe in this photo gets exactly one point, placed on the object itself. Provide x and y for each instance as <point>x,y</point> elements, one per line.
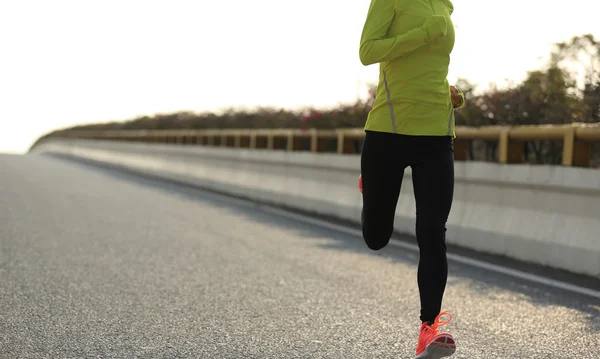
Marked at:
<point>360,183</point>
<point>432,343</point>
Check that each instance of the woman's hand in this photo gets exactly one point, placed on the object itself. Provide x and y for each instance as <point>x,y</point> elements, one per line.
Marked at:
<point>457,100</point>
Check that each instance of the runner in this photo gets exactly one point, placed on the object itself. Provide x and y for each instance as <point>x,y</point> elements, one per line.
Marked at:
<point>412,124</point>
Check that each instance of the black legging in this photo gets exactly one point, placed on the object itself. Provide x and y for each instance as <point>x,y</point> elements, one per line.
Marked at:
<point>383,160</point>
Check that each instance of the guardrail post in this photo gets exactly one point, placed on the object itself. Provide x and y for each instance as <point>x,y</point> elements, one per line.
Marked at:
<point>340,142</point>
<point>314,140</point>
<point>503,147</point>
<point>270,141</point>
<point>568,146</point>
<point>290,141</point>
<point>575,153</point>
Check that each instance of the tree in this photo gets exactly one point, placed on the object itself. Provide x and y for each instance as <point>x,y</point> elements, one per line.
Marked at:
<point>581,56</point>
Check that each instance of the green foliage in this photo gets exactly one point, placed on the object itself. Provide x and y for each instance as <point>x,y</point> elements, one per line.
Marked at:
<point>552,95</point>
<point>566,90</point>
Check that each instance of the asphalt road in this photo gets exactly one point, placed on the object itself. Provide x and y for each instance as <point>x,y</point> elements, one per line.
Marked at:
<point>95,263</point>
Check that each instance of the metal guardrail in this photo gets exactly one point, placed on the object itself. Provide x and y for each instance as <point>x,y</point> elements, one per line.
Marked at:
<point>577,139</point>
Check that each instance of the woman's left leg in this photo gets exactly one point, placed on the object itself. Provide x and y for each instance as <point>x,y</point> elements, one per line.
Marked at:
<point>433,182</point>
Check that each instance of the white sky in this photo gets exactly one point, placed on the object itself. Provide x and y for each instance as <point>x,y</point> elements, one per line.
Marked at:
<point>72,62</point>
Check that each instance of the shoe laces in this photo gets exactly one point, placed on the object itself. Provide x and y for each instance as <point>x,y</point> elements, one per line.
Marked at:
<point>438,322</point>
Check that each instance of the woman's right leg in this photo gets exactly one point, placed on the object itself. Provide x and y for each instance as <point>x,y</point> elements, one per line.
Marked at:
<point>382,174</point>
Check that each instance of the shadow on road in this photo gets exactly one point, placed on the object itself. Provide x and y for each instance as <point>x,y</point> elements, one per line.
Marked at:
<point>482,281</point>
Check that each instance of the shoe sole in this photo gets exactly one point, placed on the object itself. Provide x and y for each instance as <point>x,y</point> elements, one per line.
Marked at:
<point>439,348</point>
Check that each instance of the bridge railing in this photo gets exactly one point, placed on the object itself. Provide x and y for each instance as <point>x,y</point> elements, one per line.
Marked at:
<point>508,142</point>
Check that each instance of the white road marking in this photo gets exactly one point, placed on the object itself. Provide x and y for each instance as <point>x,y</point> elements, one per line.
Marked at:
<point>357,233</point>
<point>455,257</point>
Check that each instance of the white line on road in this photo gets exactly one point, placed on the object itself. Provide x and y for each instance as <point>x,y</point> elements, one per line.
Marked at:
<point>455,257</point>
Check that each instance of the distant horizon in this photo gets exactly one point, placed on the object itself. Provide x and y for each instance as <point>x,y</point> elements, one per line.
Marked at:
<point>224,108</point>
<point>478,88</point>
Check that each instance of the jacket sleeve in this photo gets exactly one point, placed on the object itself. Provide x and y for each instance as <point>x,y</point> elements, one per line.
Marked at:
<point>375,47</point>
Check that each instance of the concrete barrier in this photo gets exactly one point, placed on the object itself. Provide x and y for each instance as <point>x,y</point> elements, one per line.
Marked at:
<point>549,215</point>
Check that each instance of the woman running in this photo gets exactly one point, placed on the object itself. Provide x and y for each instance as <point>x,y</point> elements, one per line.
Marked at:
<point>412,124</point>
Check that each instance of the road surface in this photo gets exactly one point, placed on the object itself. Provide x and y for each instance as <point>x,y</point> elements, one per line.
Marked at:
<point>95,263</point>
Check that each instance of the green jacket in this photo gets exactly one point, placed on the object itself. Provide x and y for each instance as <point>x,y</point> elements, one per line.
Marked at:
<point>412,41</point>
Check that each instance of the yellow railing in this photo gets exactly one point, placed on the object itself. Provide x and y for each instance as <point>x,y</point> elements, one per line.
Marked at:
<point>577,139</point>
